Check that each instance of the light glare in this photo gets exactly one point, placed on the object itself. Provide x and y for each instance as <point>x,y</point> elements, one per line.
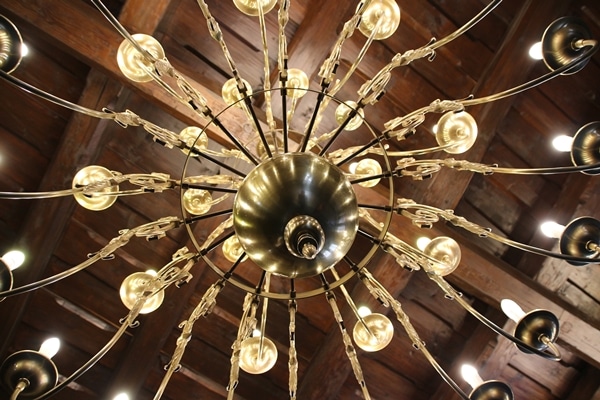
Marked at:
<point>535,51</point>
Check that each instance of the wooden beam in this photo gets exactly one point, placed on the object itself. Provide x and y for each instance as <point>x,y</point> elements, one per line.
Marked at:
<point>137,17</point>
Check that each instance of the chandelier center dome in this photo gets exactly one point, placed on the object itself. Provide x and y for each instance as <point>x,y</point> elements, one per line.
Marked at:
<point>296,215</point>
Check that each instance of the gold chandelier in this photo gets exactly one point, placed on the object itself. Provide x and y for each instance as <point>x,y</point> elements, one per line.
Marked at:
<point>295,210</point>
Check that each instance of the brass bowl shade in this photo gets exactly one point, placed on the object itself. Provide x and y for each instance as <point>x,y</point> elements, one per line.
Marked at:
<point>586,147</point>
<point>135,65</point>
<point>283,188</point>
<point>492,390</point>
<point>39,370</point>
<point>445,250</point>
<point>11,45</point>
<point>577,237</point>
<point>386,10</point>
<point>457,130</point>
<point>102,198</point>
<point>535,325</point>
<point>250,7</point>
<point>558,47</point>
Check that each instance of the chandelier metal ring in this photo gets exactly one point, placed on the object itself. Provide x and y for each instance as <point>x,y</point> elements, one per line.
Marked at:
<point>222,269</point>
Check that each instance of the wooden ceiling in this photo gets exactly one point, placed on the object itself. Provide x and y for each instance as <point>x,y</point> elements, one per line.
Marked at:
<point>72,55</point>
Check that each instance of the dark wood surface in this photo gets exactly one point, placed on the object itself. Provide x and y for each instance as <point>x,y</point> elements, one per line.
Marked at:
<point>73,55</point>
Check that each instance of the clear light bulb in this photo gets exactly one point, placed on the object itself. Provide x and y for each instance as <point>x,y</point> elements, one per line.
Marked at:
<point>50,347</point>
<point>422,242</point>
<point>471,376</point>
<point>552,229</point>
<point>535,51</point>
<point>14,259</point>
<point>363,311</point>
<point>512,310</point>
<point>563,143</point>
<point>121,396</point>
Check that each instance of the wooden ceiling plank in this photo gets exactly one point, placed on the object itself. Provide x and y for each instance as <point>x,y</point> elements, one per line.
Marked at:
<point>43,228</point>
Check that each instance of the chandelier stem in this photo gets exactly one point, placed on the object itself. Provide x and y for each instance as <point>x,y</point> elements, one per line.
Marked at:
<point>258,127</point>
<point>263,316</point>
<point>284,116</point>
<point>203,187</point>
<point>362,149</point>
<point>21,385</point>
<point>235,140</point>
<point>205,155</point>
<point>311,124</point>
<point>353,112</point>
<point>195,218</point>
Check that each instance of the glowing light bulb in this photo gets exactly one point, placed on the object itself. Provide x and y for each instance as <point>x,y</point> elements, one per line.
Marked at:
<point>563,143</point>
<point>14,259</point>
<point>50,347</point>
<point>535,51</point>
<point>471,376</point>
<point>512,310</point>
<point>121,396</point>
<point>363,311</point>
<point>552,229</point>
<point>422,242</point>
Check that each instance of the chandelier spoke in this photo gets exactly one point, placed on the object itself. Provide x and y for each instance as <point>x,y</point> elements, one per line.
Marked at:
<point>203,309</point>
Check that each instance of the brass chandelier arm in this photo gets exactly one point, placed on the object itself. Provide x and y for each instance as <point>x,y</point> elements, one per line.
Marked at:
<point>425,216</point>
<point>129,321</point>
<point>553,354</point>
<point>167,276</point>
<point>588,52</point>
<point>39,195</point>
<point>379,292</point>
<point>203,309</point>
<point>348,346</point>
<point>152,230</point>
<point>217,35</point>
<point>161,67</point>
<point>54,99</point>
<point>419,169</point>
<point>52,279</point>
